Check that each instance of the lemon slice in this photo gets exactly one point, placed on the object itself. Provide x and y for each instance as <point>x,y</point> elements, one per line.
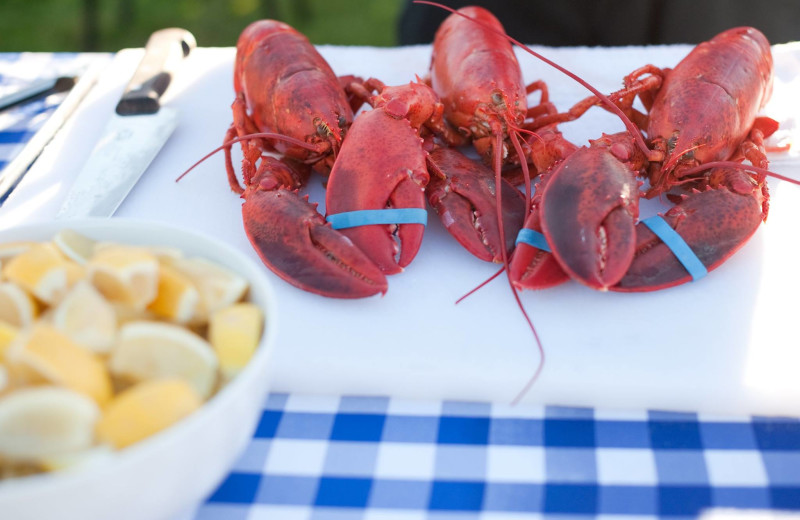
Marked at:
<point>127,314</point>
<point>17,307</point>
<point>5,379</point>
<point>41,270</point>
<point>87,318</point>
<point>7,334</point>
<point>153,350</point>
<point>52,355</point>
<point>93,456</point>
<point>10,249</point>
<point>162,253</point>
<point>125,274</point>
<point>218,286</point>
<point>145,409</point>
<point>177,298</point>
<point>75,246</point>
<point>75,273</point>
<point>234,332</point>
<point>45,421</point>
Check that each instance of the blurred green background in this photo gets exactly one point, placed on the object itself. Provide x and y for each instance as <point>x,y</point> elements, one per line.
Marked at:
<point>110,25</point>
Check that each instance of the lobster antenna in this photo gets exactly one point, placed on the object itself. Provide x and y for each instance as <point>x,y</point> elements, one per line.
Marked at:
<point>504,254</point>
<point>498,132</point>
<point>740,166</point>
<point>637,136</point>
<point>259,135</point>
<point>676,157</point>
<point>481,285</point>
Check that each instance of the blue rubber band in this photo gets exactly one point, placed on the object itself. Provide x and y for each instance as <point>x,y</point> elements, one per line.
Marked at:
<point>533,238</point>
<point>677,245</point>
<point>367,217</point>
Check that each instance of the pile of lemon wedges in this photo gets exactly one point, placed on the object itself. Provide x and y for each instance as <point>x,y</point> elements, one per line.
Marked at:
<point>104,344</point>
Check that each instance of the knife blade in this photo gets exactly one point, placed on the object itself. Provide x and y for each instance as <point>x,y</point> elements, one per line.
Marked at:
<point>136,132</point>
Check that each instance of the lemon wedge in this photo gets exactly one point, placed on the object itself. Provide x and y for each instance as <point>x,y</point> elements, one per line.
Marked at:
<point>41,270</point>
<point>17,306</point>
<point>153,350</point>
<point>145,409</point>
<point>218,287</point>
<point>75,273</point>
<point>45,421</point>
<point>127,314</point>
<point>124,274</point>
<point>53,356</point>
<point>87,318</point>
<point>75,246</point>
<point>234,332</point>
<point>7,334</point>
<point>10,249</point>
<point>177,298</point>
<point>5,379</point>
<point>93,456</point>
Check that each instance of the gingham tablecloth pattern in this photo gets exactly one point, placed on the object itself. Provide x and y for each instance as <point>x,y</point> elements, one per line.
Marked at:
<point>323,458</point>
<point>18,124</point>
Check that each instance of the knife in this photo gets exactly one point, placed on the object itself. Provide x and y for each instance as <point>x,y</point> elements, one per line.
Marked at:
<point>134,135</point>
<point>35,90</point>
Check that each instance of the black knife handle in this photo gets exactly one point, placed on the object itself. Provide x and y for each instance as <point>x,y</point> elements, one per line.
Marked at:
<point>163,52</point>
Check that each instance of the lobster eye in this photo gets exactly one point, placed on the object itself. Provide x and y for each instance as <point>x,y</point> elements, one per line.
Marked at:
<point>497,98</point>
<point>342,122</point>
<point>323,130</point>
<point>671,142</point>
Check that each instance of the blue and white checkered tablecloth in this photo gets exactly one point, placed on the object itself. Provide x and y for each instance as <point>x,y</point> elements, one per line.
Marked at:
<point>371,458</point>
<point>381,458</point>
<point>18,124</point>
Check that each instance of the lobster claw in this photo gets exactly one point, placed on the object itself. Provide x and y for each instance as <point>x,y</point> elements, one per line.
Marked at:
<point>589,208</point>
<point>714,223</point>
<point>532,267</point>
<point>296,243</point>
<point>382,165</point>
<point>463,194</point>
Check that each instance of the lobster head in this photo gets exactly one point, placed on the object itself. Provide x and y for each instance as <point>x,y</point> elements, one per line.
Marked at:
<point>471,44</point>
<point>708,104</point>
<point>314,107</point>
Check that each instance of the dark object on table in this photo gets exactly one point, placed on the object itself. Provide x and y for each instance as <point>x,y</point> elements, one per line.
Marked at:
<point>614,22</point>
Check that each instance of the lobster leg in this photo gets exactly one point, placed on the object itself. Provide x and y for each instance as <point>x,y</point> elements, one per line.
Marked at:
<point>463,194</point>
<point>714,223</point>
<point>642,83</point>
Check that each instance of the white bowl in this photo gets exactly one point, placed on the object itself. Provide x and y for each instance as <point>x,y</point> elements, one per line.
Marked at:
<point>170,472</point>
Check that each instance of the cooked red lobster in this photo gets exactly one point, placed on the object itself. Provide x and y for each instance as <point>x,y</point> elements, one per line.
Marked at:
<point>702,112</point>
<point>476,74</point>
<point>289,103</point>
<point>284,87</point>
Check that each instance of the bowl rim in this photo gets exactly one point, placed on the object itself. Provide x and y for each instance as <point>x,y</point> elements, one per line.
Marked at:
<point>222,398</point>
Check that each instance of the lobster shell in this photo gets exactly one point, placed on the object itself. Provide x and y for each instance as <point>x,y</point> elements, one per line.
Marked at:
<point>459,55</point>
<point>709,101</point>
<point>292,92</point>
